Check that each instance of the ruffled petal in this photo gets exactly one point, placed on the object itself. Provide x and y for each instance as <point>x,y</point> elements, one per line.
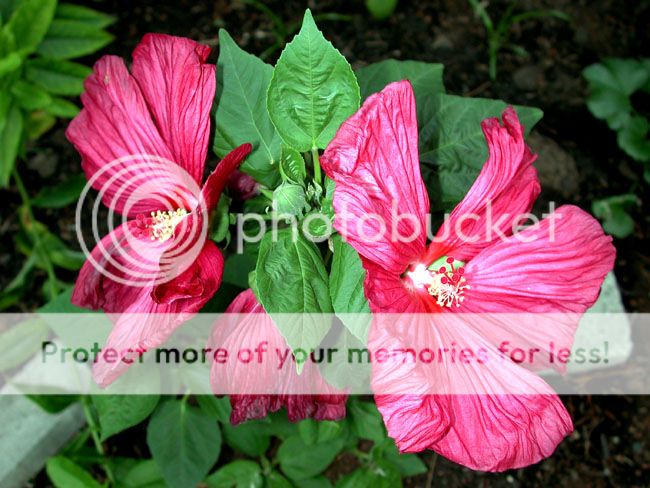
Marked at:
<point>153,313</point>
<point>488,414</point>
<point>379,190</point>
<point>179,88</point>
<point>264,386</point>
<point>504,190</point>
<point>201,279</point>
<point>117,269</point>
<point>219,178</point>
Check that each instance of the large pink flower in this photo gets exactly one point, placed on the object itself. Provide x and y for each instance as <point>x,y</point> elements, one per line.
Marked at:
<point>143,138</point>
<point>261,384</point>
<point>473,265</point>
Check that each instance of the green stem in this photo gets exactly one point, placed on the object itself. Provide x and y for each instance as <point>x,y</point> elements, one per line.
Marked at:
<point>363,456</point>
<point>316,161</point>
<point>49,268</point>
<point>94,432</point>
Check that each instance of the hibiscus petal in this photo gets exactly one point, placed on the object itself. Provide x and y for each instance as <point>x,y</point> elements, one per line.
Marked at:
<point>554,267</point>
<point>557,265</point>
<point>219,178</point>
<point>390,293</point>
<point>263,387</point>
<point>201,278</point>
<point>504,190</point>
<point>513,419</point>
<point>179,89</point>
<point>379,190</point>
<point>123,262</point>
<point>147,316</point>
<point>122,151</point>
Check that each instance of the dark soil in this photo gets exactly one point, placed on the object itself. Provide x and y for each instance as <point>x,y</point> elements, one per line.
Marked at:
<point>610,444</point>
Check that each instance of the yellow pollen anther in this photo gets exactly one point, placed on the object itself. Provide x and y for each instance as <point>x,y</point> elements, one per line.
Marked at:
<point>446,284</point>
<point>163,223</point>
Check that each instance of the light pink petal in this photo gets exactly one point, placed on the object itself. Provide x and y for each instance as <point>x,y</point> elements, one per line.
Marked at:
<point>374,161</point>
<point>555,266</point>
<point>147,316</point>
<point>504,190</point>
<point>121,146</point>
<point>179,88</point>
<point>219,178</point>
<point>514,419</point>
<point>262,387</point>
<point>558,273</point>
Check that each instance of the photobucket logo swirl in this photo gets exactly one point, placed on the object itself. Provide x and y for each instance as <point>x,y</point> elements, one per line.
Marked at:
<point>162,221</point>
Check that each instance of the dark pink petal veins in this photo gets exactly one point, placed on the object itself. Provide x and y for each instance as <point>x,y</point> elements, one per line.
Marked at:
<point>179,88</point>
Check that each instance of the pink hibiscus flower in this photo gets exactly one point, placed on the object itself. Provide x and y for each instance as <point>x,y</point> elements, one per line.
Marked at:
<point>264,387</point>
<point>143,138</point>
<point>556,265</point>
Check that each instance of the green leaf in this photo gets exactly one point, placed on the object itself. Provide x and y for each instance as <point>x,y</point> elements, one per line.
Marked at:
<point>35,238</point>
<point>145,474</point>
<point>353,372</point>
<point>622,75</point>
<point>634,140</point>
<point>62,304</point>
<point>318,482</point>
<point>290,278</point>
<point>380,475</point>
<point>612,212</point>
<point>10,63</point>
<point>67,39</point>
<point>88,16</point>
<point>251,437</point>
<point>56,76</point>
<point>300,461</point>
<point>426,80</point>
<point>66,474</point>
<point>407,464</point>
<point>53,403</point>
<point>21,342</point>
<point>30,96</point>
<point>241,114</point>
<point>346,286</point>
<point>313,90</point>
<point>38,123</point>
<point>237,268</point>
<point>276,480</point>
<point>218,408</point>
<point>60,107</point>
<point>184,442</point>
<point>366,421</point>
<point>381,9</point>
<point>289,199</point>
<point>119,412</point>
<point>61,195</point>
<point>292,166</point>
<point>10,141</point>
<point>461,148</point>
<point>29,23</point>
<point>238,474</point>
